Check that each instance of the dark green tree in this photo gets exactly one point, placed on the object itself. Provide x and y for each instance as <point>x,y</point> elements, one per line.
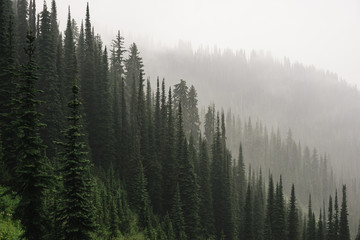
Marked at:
<point>32,170</point>
<point>292,219</point>
<point>320,229</point>
<point>248,216</point>
<point>22,27</point>
<point>152,156</point>
<point>344,232</point>
<point>209,125</point>
<point>330,223</point>
<point>117,70</point>
<point>279,229</point>
<point>78,209</point>
<point>205,197</point>
<point>170,165</point>
<point>311,223</point>
<point>193,128</point>
<point>187,182</point>
<point>70,62</point>
<point>51,110</point>
<point>8,94</point>
<point>270,211</point>
<point>134,68</point>
<point>336,217</point>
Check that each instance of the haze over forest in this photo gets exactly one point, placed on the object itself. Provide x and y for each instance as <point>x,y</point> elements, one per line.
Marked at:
<point>189,120</point>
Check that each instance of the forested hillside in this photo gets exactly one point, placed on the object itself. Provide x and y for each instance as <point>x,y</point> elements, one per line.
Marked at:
<point>90,150</point>
<point>317,105</point>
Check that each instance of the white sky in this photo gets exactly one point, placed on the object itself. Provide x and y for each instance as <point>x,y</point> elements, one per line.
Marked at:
<point>323,33</point>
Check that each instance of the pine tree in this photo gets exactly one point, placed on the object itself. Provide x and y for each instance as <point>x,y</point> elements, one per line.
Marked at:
<point>311,227</point>
<point>154,163</point>
<point>209,124</point>
<point>193,123</point>
<point>51,110</point>
<point>22,28</point>
<point>187,182</point>
<point>170,165</point>
<point>241,186</point>
<point>320,229</point>
<point>8,94</point>
<point>181,96</point>
<point>248,220</point>
<point>117,71</point>
<point>86,57</point>
<point>292,219</point>
<point>270,211</point>
<point>104,134</point>
<point>279,230</point>
<point>134,68</point>
<point>258,207</point>
<point>330,223</point>
<point>344,232</point>
<point>336,217</point>
<point>205,198</point>
<point>31,169</point>
<point>70,62</point>
<point>78,209</point>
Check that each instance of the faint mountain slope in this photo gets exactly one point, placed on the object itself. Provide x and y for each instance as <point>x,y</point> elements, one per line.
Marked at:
<point>320,109</point>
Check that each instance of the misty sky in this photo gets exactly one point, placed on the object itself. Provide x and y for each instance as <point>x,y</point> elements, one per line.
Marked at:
<point>324,33</point>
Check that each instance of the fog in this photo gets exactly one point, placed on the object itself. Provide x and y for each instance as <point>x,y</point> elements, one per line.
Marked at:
<point>320,33</point>
<point>177,119</point>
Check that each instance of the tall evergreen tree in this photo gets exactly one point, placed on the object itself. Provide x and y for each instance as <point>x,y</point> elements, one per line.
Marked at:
<point>336,217</point>
<point>320,229</point>
<point>240,179</point>
<point>270,211</point>
<point>205,198</point>
<point>32,169</point>
<point>330,223</point>
<point>187,182</point>
<point>279,221</point>
<point>22,28</point>
<point>117,71</point>
<point>8,94</point>
<point>311,227</point>
<point>134,68</point>
<point>193,123</point>
<point>292,219</point>
<point>104,134</point>
<point>248,221</point>
<point>49,84</point>
<point>70,62</point>
<point>169,168</point>
<point>78,208</point>
<point>154,165</point>
<point>86,57</point>
<point>344,232</point>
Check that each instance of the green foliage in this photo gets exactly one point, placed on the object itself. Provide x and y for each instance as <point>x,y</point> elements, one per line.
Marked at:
<point>10,228</point>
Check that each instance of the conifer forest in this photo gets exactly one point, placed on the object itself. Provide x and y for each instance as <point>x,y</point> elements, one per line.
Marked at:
<point>92,146</point>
